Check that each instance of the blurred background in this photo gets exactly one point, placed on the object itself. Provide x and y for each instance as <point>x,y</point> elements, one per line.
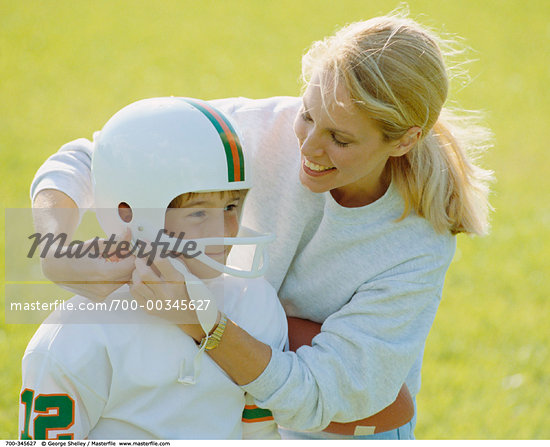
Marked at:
<point>67,66</point>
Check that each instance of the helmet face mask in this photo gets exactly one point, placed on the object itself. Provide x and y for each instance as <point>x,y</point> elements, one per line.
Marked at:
<point>156,149</point>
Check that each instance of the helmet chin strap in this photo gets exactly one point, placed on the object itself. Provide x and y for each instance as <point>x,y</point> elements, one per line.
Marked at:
<point>197,290</point>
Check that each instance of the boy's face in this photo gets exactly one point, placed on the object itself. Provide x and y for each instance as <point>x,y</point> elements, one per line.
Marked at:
<point>206,215</point>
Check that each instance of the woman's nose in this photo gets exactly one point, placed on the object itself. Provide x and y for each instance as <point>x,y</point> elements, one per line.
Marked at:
<point>310,146</point>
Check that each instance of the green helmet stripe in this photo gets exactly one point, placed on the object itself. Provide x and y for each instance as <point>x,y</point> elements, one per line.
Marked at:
<point>229,138</point>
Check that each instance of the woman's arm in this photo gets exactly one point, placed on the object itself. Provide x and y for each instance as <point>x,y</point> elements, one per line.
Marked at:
<point>360,359</point>
<point>54,212</point>
<point>301,332</point>
<point>401,411</point>
<point>239,354</point>
<point>350,370</point>
<point>244,358</point>
<point>250,357</point>
<point>93,277</point>
<point>61,191</point>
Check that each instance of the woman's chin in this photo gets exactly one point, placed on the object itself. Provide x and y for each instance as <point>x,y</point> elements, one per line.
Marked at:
<point>313,186</point>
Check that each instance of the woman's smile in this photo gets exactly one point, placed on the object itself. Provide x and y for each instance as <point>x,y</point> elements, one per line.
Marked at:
<point>314,169</point>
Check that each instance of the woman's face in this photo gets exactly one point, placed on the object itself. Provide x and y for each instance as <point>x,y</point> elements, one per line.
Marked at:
<point>342,149</point>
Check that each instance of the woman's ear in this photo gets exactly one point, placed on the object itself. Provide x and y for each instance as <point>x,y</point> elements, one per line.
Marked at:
<point>407,142</point>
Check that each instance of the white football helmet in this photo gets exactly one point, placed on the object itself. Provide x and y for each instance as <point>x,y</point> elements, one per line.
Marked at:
<point>155,149</point>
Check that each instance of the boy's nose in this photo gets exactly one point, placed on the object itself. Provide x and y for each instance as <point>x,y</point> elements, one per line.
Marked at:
<point>231,226</point>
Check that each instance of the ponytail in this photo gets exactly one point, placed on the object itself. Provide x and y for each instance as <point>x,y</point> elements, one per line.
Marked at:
<point>439,181</point>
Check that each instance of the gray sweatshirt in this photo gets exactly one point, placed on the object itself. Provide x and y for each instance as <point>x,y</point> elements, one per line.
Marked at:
<point>373,282</point>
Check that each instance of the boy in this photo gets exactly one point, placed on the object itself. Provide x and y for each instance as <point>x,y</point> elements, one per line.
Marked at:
<point>172,165</point>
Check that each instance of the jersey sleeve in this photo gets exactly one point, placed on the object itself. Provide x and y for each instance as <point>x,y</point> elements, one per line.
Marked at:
<point>66,378</point>
<point>258,423</point>
<point>53,403</point>
<point>262,315</point>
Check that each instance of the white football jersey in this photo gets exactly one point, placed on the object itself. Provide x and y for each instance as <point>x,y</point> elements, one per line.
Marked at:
<point>115,380</point>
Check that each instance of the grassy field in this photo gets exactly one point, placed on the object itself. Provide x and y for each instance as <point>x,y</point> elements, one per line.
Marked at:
<point>67,66</point>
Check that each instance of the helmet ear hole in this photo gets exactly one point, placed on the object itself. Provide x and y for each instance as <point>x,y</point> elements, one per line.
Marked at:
<point>125,212</point>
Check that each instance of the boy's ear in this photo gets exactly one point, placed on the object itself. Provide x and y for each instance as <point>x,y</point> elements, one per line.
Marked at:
<point>125,212</point>
<point>407,142</point>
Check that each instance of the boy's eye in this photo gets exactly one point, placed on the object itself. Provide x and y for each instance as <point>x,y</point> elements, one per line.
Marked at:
<point>231,207</point>
<point>198,214</point>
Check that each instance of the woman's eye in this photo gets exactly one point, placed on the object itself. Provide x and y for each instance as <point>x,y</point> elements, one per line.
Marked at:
<point>306,117</point>
<point>231,207</point>
<point>337,141</point>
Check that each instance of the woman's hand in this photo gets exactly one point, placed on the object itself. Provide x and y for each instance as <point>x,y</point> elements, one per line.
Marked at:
<point>93,277</point>
<point>161,289</point>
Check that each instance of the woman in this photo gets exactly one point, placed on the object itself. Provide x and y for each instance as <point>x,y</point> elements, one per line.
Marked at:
<point>365,202</point>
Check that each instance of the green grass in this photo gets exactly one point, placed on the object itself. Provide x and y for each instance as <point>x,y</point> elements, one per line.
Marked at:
<point>66,67</point>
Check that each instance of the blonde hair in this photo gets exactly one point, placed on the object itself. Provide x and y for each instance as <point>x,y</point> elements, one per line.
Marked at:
<point>394,69</point>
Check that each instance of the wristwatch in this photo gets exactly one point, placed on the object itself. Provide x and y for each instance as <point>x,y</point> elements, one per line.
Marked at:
<point>212,341</point>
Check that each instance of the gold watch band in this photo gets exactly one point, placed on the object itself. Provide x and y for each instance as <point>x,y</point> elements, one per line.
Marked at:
<point>213,340</point>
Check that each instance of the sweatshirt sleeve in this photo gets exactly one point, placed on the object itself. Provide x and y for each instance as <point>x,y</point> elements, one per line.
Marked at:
<point>68,171</point>
<point>357,364</point>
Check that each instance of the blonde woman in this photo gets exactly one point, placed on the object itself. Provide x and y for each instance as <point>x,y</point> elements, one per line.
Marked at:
<point>366,179</point>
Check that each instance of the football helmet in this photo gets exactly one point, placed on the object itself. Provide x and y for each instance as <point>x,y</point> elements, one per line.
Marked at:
<point>155,149</point>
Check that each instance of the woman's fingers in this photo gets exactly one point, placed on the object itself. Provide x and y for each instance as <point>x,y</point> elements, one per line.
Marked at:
<point>159,286</point>
<point>119,270</point>
<point>146,273</point>
<point>139,288</point>
<point>168,271</point>
<point>163,286</point>
<point>164,269</point>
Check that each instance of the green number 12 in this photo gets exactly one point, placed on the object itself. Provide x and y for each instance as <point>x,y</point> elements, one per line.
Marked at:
<point>62,419</point>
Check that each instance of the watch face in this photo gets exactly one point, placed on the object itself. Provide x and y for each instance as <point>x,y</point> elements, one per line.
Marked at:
<point>214,339</point>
